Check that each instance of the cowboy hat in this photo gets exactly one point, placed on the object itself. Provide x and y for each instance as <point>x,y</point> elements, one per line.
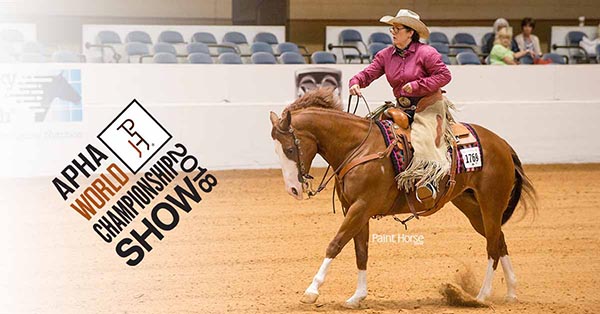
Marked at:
<point>408,18</point>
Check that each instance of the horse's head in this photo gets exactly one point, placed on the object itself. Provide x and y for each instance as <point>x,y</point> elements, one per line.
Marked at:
<point>296,151</point>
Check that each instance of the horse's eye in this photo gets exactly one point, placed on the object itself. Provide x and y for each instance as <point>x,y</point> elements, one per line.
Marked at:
<point>290,150</point>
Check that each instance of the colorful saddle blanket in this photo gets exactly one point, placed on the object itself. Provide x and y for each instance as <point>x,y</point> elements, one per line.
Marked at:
<point>470,156</point>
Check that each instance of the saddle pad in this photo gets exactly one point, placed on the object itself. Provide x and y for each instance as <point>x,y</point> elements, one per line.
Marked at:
<point>397,155</point>
<point>470,156</point>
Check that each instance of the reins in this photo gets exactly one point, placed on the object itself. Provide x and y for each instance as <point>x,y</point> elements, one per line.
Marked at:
<point>306,182</point>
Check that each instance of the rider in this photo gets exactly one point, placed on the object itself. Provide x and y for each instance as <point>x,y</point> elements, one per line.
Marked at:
<point>416,73</point>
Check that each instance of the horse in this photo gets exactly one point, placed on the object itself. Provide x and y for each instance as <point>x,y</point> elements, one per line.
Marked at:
<point>316,124</point>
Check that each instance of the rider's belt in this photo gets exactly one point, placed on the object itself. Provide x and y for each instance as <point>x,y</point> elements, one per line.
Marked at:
<point>419,103</point>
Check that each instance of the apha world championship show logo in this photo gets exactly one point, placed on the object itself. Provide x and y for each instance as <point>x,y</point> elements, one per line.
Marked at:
<point>119,196</point>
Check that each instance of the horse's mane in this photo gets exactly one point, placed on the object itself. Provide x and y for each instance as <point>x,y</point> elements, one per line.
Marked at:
<point>317,98</point>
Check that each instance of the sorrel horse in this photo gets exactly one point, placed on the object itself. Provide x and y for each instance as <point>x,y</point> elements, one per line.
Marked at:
<point>315,124</point>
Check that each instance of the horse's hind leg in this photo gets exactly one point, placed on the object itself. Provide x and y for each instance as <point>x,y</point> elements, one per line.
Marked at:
<point>361,248</point>
<point>469,205</point>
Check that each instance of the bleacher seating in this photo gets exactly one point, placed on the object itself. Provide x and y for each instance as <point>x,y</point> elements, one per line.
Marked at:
<point>164,57</point>
<point>204,37</point>
<point>323,57</point>
<point>467,57</point>
<point>438,37</point>
<point>261,47</point>
<point>171,37</point>
<point>262,57</point>
<point>230,58</point>
<point>266,37</point>
<point>164,47</point>
<point>197,47</point>
<point>136,49</point>
<point>287,47</point>
<point>199,58</point>
<point>375,47</point>
<point>138,36</point>
<point>379,37</point>
<point>352,37</point>
<point>291,57</point>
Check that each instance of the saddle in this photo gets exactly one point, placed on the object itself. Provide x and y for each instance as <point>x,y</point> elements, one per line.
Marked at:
<point>402,141</point>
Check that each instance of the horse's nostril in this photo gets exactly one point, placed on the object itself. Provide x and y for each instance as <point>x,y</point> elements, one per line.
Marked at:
<point>294,191</point>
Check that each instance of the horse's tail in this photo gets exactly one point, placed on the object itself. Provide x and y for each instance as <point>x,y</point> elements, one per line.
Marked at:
<point>522,184</point>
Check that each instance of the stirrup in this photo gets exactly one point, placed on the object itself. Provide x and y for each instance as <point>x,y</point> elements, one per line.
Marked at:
<point>426,193</point>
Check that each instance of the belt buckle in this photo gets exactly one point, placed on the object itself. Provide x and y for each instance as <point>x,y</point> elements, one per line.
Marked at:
<point>404,102</point>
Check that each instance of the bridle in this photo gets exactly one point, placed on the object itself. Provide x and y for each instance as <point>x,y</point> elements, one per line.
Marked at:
<point>305,178</point>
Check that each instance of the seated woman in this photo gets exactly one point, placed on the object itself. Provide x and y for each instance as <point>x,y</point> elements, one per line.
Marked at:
<point>501,53</point>
<point>526,40</point>
<point>498,25</point>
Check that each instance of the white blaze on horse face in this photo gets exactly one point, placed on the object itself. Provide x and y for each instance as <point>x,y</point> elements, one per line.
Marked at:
<point>290,173</point>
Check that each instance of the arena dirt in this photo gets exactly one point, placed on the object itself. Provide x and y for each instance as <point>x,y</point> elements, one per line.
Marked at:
<point>248,247</point>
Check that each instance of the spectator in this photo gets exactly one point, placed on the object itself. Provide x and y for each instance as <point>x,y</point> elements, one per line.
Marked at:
<point>501,53</point>
<point>498,25</point>
<point>526,40</point>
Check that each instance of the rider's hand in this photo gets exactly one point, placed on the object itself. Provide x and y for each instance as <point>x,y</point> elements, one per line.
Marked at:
<point>355,90</point>
<point>407,88</point>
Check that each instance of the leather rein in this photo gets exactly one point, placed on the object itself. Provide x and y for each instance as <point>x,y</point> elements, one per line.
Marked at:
<point>348,163</point>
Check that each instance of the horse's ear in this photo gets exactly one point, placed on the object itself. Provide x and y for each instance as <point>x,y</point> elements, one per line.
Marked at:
<point>286,121</point>
<point>274,119</point>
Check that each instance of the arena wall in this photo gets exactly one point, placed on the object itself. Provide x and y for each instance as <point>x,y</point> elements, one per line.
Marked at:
<point>547,113</point>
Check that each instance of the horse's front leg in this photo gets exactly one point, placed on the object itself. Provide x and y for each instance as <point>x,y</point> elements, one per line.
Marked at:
<point>354,221</point>
<point>361,248</point>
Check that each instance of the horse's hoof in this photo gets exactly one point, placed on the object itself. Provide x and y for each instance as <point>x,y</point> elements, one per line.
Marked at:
<point>511,299</point>
<point>353,303</point>
<point>309,298</point>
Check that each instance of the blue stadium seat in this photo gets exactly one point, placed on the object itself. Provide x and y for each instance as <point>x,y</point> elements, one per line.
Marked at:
<point>235,37</point>
<point>261,47</point>
<point>164,47</point>
<point>138,36</point>
<point>164,57</point>
<point>262,57</point>
<point>484,40</point>
<point>230,58</point>
<point>598,53</point>
<point>290,57</point>
<point>197,47</point>
<point>136,49</point>
<point>266,37</point>
<point>231,47</point>
<point>204,37</point>
<point>467,57</point>
<point>438,37</point>
<point>574,37</point>
<point>323,57</point>
<point>171,37</point>
<point>380,37</point>
<point>464,39</point>
<point>107,38</point>
<point>442,48</point>
<point>65,56</point>
<point>287,47</point>
<point>555,57</point>
<point>352,37</point>
<point>375,47</point>
<point>446,59</point>
<point>199,58</point>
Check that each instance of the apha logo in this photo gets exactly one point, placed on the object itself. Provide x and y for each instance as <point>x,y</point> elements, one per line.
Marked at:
<point>134,136</point>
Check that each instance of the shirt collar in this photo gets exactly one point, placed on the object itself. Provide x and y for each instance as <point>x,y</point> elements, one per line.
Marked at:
<point>406,51</point>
